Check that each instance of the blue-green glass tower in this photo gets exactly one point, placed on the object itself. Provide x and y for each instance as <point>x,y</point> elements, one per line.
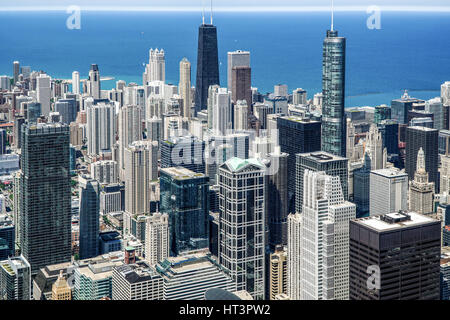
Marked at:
<point>333,86</point>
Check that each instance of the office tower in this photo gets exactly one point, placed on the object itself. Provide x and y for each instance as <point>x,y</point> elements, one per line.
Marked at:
<point>185,87</point>
<point>382,112</point>
<point>333,83</point>
<point>94,88</point>
<point>3,139</point>
<point>109,241</point>
<point>400,108</point>
<point>297,135</point>
<point>76,82</point>
<point>324,244</point>
<point>157,238</point>
<point>185,198</point>
<point>236,58</point>
<point>189,277</point>
<point>93,277</point>
<point>241,115</point>
<point>261,111</point>
<point>241,84</point>
<point>299,96</point>
<point>89,216</point>
<point>5,83</point>
<point>104,171</point>
<point>280,90</point>
<point>277,198</point>
<point>207,64</point>
<point>421,192</point>
<point>15,279</point>
<point>388,191</point>
<point>399,262</point>
<point>445,174</point>
<point>293,255</point>
<point>242,226</point>
<point>17,132</point>
<point>112,198</point>
<point>427,139</point>
<point>130,130</point>
<point>278,270</point>
<point>186,151</point>
<point>445,273</point>
<point>375,147</point>
<point>444,142</point>
<point>43,93</point>
<point>7,237</point>
<point>435,107</point>
<point>361,193</point>
<point>45,205</point>
<point>100,128</point>
<point>155,70</point>
<point>154,129</point>
<point>445,93</point>
<point>16,71</point>
<point>137,177</point>
<point>67,108</point>
<point>220,108</point>
<point>389,136</point>
<point>319,161</point>
<point>61,289</point>
<point>136,282</point>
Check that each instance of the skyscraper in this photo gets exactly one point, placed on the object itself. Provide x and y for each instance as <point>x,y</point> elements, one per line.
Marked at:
<point>421,191</point>
<point>15,279</point>
<point>185,198</point>
<point>45,196</point>
<point>89,217</point>
<point>242,224</point>
<point>278,273</point>
<point>427,139</point>
<point>207,64</point>
<point>155,70</point>
<point>333,83</point>
<point>294,254</point>
<point>100,128</point>
<point>76,82</point>
<point>324,264</point>
<point>236,58</point>
<point>94,82</point>
<point>185,87</point>
<point>395,257</point>
<point>16,71</point>
<point>221,110</point>
<point>157,238</point>
<point>43,91</point>
<point>241,84</point>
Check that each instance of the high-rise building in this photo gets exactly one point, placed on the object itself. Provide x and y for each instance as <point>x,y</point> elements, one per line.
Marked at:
<point>421,192</point>
<point>89,194</point>
<point>16,71</point>
<point>293,255</point>
<point>94,87</point>
<point>319,161</point>
<point>157,238</point>
<point>375,148</point>
<point>242,224</point>
<point>220,107</point>
<point>381,113</point>
<point>388,191</point>
<point>7,237</point>
<point>361,193</point>
<point>395,256</point>
<point>445,93</point>
<point>67,109</point>
<point>333,83</point>
<point>186,151</point>
<point>43,93</point>
<point>185,198</point>
<point>324,264</point>
<point>207,64</point>
<point>236,58</point>
<point>278,273</point>
<point>445,272</point>
<point>299,96</point>
<point>61,289</point>
<point>277,205</point>
<point>185,87</point>
<point>100,128</point>
<point>130,130</point>
<point>45,195</point>
<point>427,139</point>
<point>15,279</point>
<point>241,84</point>
<point>155,70</point>
<point>241,115</point>
<point>435,107</point>
<point>76,82</point>
<point>104,171</point>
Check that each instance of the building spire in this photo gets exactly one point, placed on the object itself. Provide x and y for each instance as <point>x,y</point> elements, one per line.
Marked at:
<point>203,11</point>
<point>332,15</point>
<point>211,12</point>
<point>420,161</point>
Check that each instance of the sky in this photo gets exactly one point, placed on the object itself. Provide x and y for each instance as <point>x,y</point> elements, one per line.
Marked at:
<point>225,5</point>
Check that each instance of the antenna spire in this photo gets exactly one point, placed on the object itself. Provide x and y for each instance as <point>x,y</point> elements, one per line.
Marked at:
<point>332,15</point>
<point>203,11</point>
<point>211,12</point>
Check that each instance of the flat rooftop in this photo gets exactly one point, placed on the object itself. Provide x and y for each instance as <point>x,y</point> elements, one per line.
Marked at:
<point>321,156</point>
<point>390,173</point>
<point>397,221</point>
<point>181,173</point>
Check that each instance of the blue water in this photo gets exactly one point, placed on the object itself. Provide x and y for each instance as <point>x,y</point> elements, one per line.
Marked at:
<point>411,51</point>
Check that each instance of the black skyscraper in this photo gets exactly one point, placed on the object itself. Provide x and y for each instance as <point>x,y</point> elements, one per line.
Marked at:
<point>207,64</point>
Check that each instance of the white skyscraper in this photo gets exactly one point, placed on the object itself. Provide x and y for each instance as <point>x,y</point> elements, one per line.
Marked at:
<point>324,248</point>
<point>421,191</point>
<point>241,115</point>
<point>157,238</point>
<point>293,256</point>
<point>435,107</point>
<point>375,147</point>
<point>221,110</point>
<point>76,82</point>
<point>155,70</point>
<point>94,86</point>
<point>236,59</point>
<point>445,93</point>
<point>100,127</point>
<point>104,171</point>
<point>43,91</point>
<point>388,191</point>
<point>185,87</point>
<point>130,130</point>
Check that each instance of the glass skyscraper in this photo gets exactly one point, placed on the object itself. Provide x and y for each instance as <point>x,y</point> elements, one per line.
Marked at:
<point>333,86</point>
<point>185,198</point>
<point>89,217</point>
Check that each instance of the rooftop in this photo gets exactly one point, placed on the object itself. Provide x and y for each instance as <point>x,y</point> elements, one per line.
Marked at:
<point>181,173</point>
<point>393,221</point>
<point>390,173</point>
